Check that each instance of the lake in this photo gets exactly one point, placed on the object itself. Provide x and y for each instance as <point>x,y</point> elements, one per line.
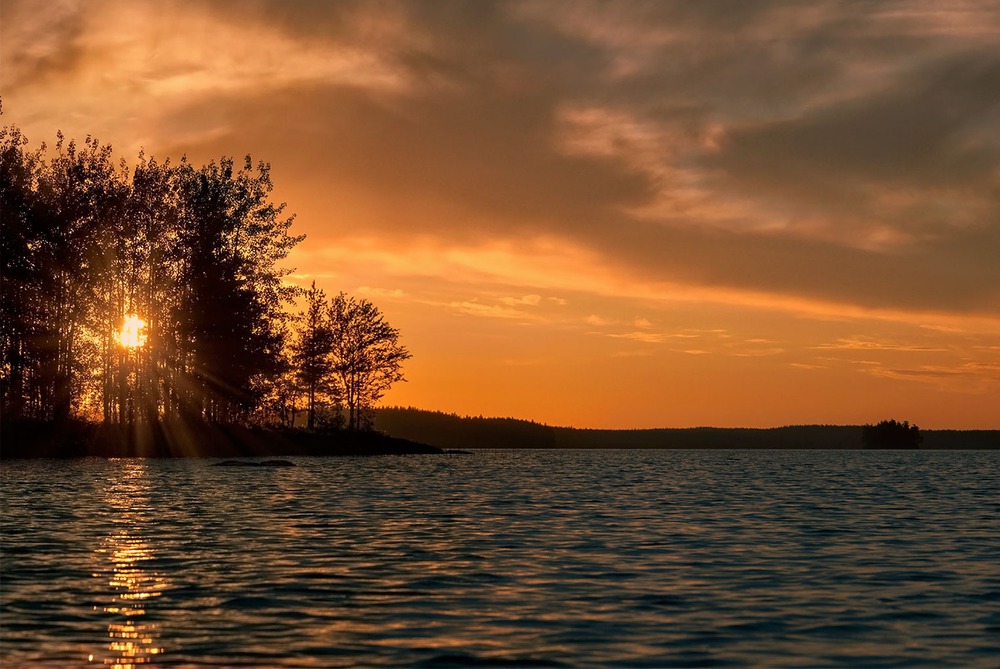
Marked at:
<point>506,558</point>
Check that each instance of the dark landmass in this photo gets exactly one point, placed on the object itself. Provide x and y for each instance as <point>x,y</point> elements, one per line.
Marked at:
<point>73,439</point>
<point>413,431</point>
<point>450,432</point>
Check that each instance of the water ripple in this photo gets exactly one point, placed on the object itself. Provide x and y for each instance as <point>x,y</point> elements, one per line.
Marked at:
<point>506,558</point>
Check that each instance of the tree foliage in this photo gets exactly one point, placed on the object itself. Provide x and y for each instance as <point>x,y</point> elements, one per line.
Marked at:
<point>891,434</point>
<point>232,238</point>
<point>345,356</point>
<point>195,253</point>
<point>311,352</point>
<point>367,357</point>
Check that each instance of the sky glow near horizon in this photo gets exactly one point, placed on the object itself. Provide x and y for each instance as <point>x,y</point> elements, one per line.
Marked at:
<point>594,214</point>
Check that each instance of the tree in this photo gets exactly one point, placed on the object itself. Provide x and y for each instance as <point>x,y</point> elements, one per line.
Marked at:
<point>56,270</point>
<point>19,171</point>
<point>891,434</point>
<point>194,254</point>
<point>232,305</point>
<point>366,355</point>
<point>311,350</point>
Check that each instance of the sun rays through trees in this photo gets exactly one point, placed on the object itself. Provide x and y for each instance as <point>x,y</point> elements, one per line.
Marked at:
<point>157,292</point>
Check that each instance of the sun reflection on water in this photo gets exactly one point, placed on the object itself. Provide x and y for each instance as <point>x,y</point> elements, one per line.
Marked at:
<point>133,640</point>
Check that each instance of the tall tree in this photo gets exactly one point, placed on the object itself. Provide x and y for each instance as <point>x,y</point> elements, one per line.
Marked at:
<point>78,193</point>
<point>19,298</point>
<point>367,356</point>
<point>311,350</point>
<point>232,308</point>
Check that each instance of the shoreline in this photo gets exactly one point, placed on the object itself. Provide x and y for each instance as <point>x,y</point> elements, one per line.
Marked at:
<point>425,433</point>
<point>176,439</point>
<point>451,431</point>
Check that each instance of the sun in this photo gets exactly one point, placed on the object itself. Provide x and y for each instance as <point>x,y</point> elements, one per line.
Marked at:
<point>133,332</point>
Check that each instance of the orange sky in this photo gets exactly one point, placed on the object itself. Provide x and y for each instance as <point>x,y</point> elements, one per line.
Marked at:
<point>594,214</point>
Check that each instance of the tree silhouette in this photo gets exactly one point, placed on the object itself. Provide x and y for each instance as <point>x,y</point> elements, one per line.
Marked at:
<point>891,434</point>
<point>232,300</point>
<point>51,269</point>
<point>367,356</point>
<point>311,351</point>
<point>19,298</point>
<point>194,254</point>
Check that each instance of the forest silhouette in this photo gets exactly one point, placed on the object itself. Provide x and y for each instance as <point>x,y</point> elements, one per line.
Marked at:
<point>450,431</point>
<point>156,295</point>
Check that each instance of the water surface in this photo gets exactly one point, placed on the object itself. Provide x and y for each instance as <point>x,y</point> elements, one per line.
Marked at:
<point>506,558</point>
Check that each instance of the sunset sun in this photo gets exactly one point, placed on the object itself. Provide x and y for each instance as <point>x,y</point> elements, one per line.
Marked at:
<point>133,332</point>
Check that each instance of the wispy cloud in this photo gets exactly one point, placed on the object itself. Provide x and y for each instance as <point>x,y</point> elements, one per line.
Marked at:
<point>597,321</point>
<point>868,344</point>
<point>966,379</point>
<point>526,300</point>
<point>387,293</point>
<point>644,337</point>
<point>473,308</point>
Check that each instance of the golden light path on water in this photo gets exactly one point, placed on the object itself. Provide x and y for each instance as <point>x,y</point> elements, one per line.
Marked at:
<point>131,640</point>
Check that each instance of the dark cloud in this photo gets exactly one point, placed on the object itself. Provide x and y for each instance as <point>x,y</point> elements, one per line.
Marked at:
<point>960,275</point>
<point>487,159</point>
<point>474,151</point>
<point>40,49</point>
<point>915,134</point>
<point>837,122</point>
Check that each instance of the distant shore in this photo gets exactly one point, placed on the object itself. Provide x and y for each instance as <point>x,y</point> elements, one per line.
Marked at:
<point>412,431</point>
<point>74,439</point>
<point>451,431</point>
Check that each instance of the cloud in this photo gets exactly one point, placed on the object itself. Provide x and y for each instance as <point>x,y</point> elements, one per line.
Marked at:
<point>388,293</point>
<point>968,379</point>
<point>868,344</point>
<point>647,337</point>
<point>908,164</point>
<point>473,308</point>
<point>832,159</point>
<point>167,74</point>
<point>644,337</point>
<point>758,352</point>
<point>527,300</point>
<point>560,267</point>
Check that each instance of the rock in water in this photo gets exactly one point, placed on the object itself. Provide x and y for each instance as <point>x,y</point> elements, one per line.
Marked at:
<point>249,463</point>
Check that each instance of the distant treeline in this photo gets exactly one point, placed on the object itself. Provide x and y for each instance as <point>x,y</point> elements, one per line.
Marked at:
<point>451,431</point>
